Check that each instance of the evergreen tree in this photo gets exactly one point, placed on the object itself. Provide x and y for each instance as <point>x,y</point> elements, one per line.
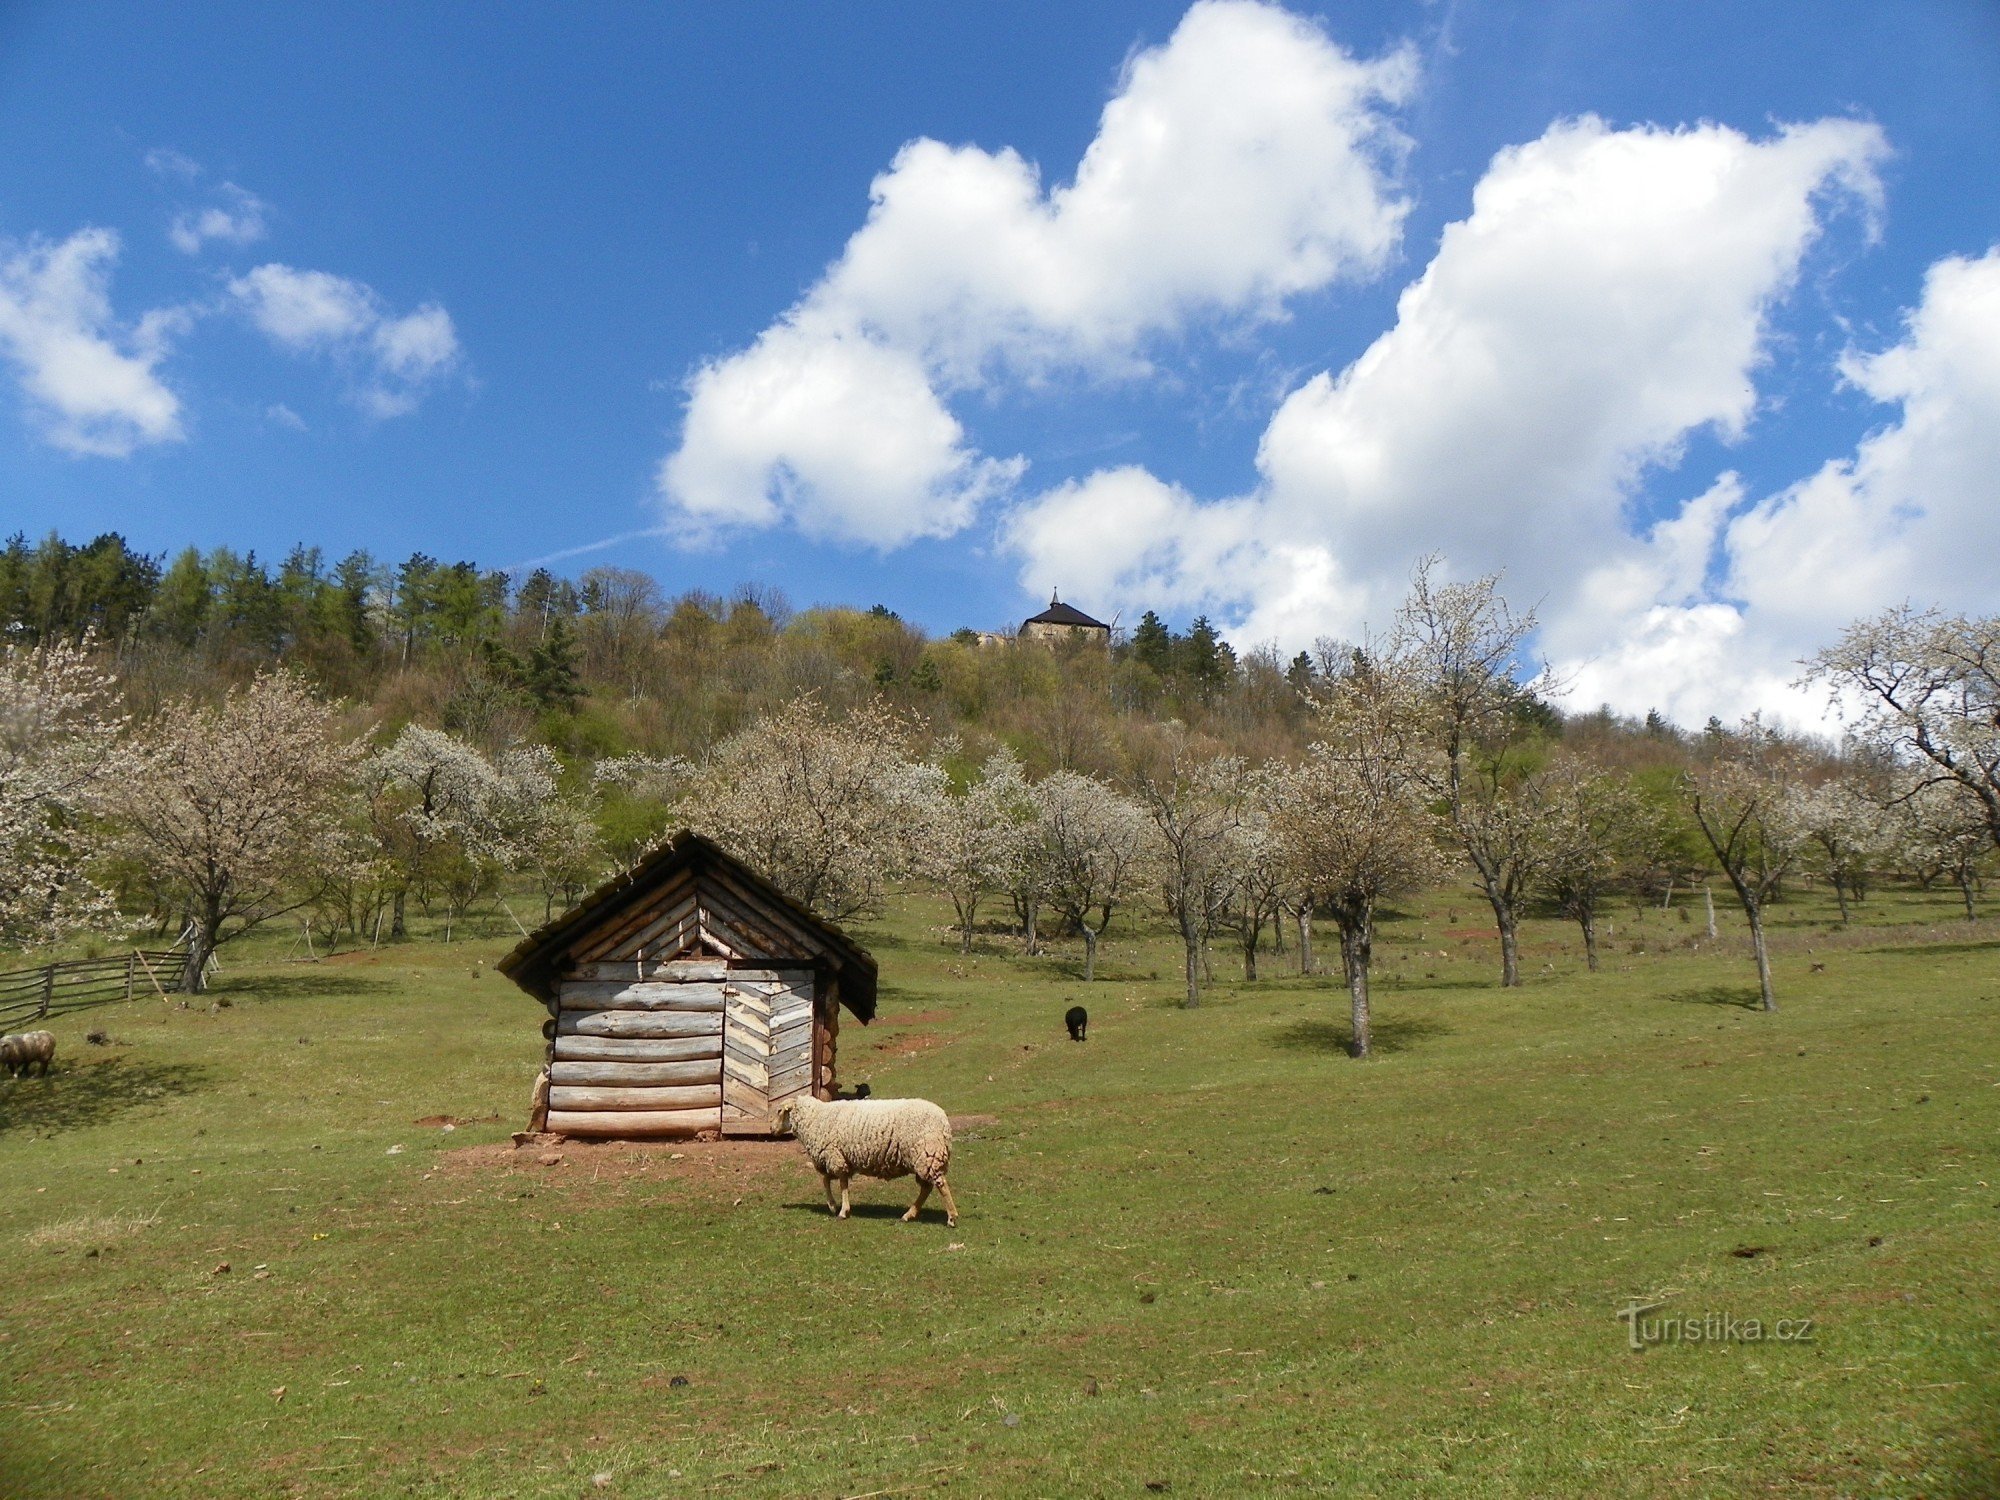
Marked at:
<point>552,678</point>
<point>1153,644</point>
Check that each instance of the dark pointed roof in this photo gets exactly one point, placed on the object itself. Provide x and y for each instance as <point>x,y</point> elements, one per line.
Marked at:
<point>1059,613</point>
<point>777,927</point>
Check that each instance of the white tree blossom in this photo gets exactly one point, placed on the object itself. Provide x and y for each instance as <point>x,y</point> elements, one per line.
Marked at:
<point>818,807</point>
<point>1353,823</point>
<point>972,842</point>
<point>61,745</point>
<point>1927,688</point>
<point>1849,833</point>
<point>1195,802</point>
<point>1747,802</point>
<point>1094,843</point>
<point>237,807</point>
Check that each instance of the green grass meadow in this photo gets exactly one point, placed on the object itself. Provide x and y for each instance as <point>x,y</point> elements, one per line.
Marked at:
<point>1203,1253</point>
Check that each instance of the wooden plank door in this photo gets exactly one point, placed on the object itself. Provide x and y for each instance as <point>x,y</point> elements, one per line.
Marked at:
<point>766,1042</point>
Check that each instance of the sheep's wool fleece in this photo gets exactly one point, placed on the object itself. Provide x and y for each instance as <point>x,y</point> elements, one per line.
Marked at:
<point>28,1048</point>
<point>874,1137</point>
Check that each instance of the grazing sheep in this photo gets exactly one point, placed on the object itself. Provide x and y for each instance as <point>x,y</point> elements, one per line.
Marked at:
<point>874,1138</point>
<point>1077,1019</point>
<point>21,1052</point>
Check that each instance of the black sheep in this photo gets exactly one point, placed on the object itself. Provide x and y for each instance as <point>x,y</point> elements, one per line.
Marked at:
<point>1076,1018</point>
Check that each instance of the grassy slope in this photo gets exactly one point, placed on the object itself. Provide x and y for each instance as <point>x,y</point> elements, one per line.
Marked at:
<point>1284,1271</point>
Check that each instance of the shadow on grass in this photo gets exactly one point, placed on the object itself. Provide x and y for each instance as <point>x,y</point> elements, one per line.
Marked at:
<point>75,1097</point>
<point>1388,1035</point>
<point>318,986</point>
<point>933,1210</point>
<point>1743,997</point>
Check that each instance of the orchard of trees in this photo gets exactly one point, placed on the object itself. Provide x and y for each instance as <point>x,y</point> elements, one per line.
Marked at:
<point>207,745</point>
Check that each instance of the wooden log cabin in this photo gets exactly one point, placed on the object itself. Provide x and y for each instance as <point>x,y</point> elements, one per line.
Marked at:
<point>687,996</point>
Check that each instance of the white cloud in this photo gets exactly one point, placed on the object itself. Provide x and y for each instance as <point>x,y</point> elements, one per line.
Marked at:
<point>1244,161</point>
<point>164,161</point>
<point>239,220</point>
<point>842,436</point>
<point>1606,298</point>
<point>1912,514</point>
<point>1909,517</point>
<point>396,361</point>
<point>95,386</point>
<point>284,416</point>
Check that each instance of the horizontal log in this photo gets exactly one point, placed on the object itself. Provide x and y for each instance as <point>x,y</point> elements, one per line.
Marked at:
<point>645,1023</point>
<point>586,1098</point>
<point>638,1049</point>
<point>696,968</point>
<point>635,1074</point>
<point>782,978</point>
<point>651,995</point>
<point>634,1124</point>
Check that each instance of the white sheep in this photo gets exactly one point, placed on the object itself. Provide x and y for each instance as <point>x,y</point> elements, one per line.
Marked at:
<point>23,1051</point>
<point>874,1138</point>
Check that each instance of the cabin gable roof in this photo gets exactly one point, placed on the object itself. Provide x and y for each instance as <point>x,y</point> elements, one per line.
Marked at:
<point>689,898</point>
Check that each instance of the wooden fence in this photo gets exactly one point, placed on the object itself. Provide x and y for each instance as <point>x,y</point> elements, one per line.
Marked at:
<point>32,994</point>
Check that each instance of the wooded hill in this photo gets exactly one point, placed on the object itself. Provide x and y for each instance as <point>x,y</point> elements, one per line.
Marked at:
<point>609,664</point>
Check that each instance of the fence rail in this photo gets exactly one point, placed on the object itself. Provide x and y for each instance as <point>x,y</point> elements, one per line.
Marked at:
<point>52,989</point>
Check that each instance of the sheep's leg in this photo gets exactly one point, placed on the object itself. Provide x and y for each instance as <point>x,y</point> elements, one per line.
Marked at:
<point>950,1208</point>
<point>923,1192</point>
<point>844,1205</point>
<point>832,1206</point>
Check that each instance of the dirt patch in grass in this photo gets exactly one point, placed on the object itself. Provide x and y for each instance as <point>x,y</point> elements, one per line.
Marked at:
<point>915,1018</point>
<point>906,1046</point>
<point>438,1122</point>
<point>973,1122</point>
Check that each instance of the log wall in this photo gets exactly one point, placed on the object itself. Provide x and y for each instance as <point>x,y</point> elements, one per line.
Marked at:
<point>645,1047</point>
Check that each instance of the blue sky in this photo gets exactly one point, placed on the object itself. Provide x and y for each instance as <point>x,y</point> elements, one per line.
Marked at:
<point>1685,317</point>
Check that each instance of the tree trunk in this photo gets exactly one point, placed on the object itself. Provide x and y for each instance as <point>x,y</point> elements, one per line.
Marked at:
<point>201,945</point>
<point>1668,900</point>
<point>1089,953</point>
<point>1305,940</point>
<point>1769,1000</point>
<point>1252,935</point>
<point>1031,912</point>
<point>398,928</point>
<point>1840,895</point>
<point>1708,900</point>
<point>1354,946</point>
<point>1964,878</point>
<point>1588,921</point>
<point>1192,940</point>
<point>1510,942</point>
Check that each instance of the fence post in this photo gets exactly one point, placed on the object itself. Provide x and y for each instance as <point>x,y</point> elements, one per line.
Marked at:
<point>131,962</point>
<point>48,989</point>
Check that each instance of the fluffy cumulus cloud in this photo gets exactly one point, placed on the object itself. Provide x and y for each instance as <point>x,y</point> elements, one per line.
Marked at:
<point>1909,516</point>
<point>1607,297</point>
<point>1242,162</point>
<point>393,361</point>
<point>92,383</point>
<point>237,220</point>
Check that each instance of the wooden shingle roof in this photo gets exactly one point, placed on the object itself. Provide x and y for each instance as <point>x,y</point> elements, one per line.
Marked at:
<point>689,896</point>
